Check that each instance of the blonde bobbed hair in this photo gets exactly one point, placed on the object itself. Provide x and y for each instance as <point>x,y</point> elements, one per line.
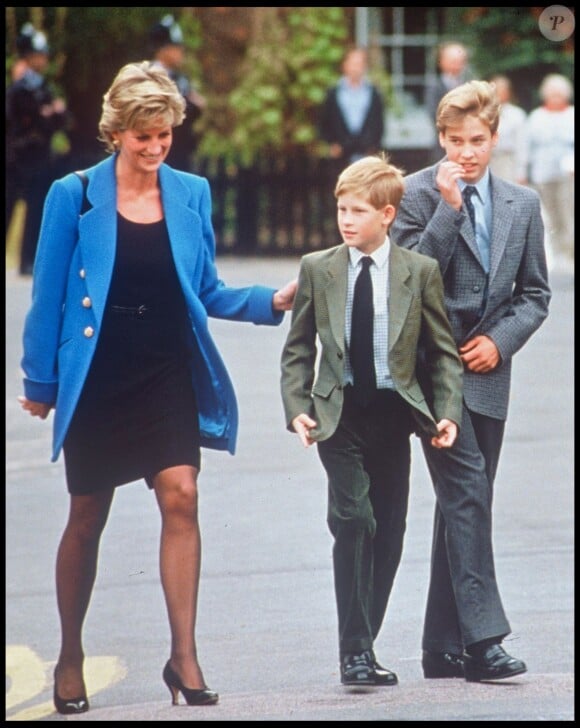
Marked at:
<point>141,96</point>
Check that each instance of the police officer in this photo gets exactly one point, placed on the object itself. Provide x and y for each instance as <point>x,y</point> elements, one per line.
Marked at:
<point>166,41</point>
<point>33,115</point>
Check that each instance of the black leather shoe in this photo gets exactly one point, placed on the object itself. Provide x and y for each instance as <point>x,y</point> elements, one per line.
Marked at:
<point>69,706</point>
<point>442,664</point>
<point>381,675</point>
<point>493,663</point>
<point>357,670</point>
<point>193,696</point>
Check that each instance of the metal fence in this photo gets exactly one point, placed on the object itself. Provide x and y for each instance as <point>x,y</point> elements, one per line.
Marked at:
<point>280,205</point>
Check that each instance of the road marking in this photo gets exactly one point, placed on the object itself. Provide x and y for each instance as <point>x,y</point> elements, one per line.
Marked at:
<point>29,676</point>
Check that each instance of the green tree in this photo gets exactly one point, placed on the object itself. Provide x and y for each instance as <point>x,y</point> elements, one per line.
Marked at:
<point>290,62</point>
<point>509,41</point>
<point>88,46</point>
<point>263,70</point>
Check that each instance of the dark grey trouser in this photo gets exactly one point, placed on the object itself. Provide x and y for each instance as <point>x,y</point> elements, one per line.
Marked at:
<point>367,462</point>
<point>463,603</point>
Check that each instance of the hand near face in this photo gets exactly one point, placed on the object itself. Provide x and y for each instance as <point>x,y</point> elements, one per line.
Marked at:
<point>447,175</point>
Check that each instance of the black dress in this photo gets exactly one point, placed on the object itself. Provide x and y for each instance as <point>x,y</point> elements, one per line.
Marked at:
<point>137,412</point>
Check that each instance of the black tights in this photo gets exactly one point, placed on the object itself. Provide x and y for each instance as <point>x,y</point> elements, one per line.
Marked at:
<point>180,562</point>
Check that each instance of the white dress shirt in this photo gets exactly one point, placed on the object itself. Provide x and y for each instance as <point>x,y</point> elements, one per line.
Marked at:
<point>380,279</point>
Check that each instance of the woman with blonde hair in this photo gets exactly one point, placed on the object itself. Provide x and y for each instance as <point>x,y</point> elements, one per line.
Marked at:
<point>117,342</point>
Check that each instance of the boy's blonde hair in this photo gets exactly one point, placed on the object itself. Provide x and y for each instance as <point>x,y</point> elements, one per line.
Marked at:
<point>141,95</point>
<point>373,179</point>
<point>474,98</point>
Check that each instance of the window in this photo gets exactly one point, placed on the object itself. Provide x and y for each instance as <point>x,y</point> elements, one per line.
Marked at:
<point>407,38</point>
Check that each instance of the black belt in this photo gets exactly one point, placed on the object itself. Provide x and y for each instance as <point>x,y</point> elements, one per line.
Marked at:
<point>141,311</point>
<point>379,396</point>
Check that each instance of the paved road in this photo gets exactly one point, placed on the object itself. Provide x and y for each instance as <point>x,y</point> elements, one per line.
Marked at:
<point>266,624</point>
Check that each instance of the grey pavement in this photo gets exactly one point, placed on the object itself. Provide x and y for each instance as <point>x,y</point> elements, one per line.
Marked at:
<point>267,624</point>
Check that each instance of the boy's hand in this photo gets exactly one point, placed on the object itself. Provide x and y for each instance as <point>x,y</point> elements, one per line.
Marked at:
<point>302,425</point>
<point>447,175</point>
<point>447,434</point>
<point>480,354</point>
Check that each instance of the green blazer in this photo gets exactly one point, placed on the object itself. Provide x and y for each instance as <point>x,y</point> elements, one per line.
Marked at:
<point>312,379</point>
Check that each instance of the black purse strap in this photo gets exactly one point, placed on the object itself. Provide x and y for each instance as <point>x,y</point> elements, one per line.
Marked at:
<point>86,205</point>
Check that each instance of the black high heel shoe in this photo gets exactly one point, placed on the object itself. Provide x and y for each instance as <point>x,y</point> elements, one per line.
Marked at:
<point>203,696</point>
<point>69,706</point>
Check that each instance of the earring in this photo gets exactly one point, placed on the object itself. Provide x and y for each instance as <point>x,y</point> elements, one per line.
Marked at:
<point>116,144</point>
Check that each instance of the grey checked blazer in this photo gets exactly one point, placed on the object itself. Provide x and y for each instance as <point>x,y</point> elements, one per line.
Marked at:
<point>518,293</point>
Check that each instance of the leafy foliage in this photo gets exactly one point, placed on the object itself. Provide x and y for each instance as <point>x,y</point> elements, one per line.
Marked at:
<point>289,58</point>
<point>508,41</point>
<point>290,63</point>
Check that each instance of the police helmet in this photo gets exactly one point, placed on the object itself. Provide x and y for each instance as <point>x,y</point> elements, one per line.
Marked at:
<point>166,32</point>
<point>30,40</point>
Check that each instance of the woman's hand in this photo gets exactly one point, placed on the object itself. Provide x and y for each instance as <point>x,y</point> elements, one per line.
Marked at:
<point>284,297</point>
<point>36,409</point>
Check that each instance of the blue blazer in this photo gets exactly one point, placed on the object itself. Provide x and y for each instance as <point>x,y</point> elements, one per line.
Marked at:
<point>72,275</point>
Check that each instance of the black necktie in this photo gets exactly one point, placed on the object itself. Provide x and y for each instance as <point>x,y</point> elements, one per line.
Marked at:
<point>362,356</point>
<point>468,192</point>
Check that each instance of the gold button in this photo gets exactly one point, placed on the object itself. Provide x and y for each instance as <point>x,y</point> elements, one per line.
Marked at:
<point>87,303</point>
<point>82,273</point>
<point>89,331</point>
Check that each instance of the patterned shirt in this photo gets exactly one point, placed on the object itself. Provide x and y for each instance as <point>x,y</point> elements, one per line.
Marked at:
<point>380,279</point>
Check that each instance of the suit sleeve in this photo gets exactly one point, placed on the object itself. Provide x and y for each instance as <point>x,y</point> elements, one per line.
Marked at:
<point>42,326</point>
<point>441,362</point>
<point>531,292</point>
<point>299,352</point>
<point>250,303</point>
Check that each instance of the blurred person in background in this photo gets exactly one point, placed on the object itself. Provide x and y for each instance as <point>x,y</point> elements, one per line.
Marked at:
<point>33,115</point>
<point>352,115</point>
<point>508,158</point>
<point>549,148</point>
<point>168,50</point>
<point>452,60</point>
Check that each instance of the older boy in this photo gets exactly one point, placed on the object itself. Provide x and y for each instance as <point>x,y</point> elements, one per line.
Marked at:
<point>488,238</point>
<point>362,428</point>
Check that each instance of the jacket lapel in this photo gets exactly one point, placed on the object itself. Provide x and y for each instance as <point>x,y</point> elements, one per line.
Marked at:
<point>466,230</point>
<point>98,233</point>
<point>183,225</point>
<point>335,292</point>
<point>399,294</point>
<point>503,219</point>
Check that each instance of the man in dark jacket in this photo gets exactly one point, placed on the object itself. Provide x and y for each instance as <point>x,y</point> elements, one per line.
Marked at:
<point>33,115</point>
<point>352,116</point>
<point>166,40</point>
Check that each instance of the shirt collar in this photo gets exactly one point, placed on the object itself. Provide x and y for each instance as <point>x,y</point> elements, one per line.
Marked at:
<point>482,186</point>
<point>344,83</point>
<point>380,256</point>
